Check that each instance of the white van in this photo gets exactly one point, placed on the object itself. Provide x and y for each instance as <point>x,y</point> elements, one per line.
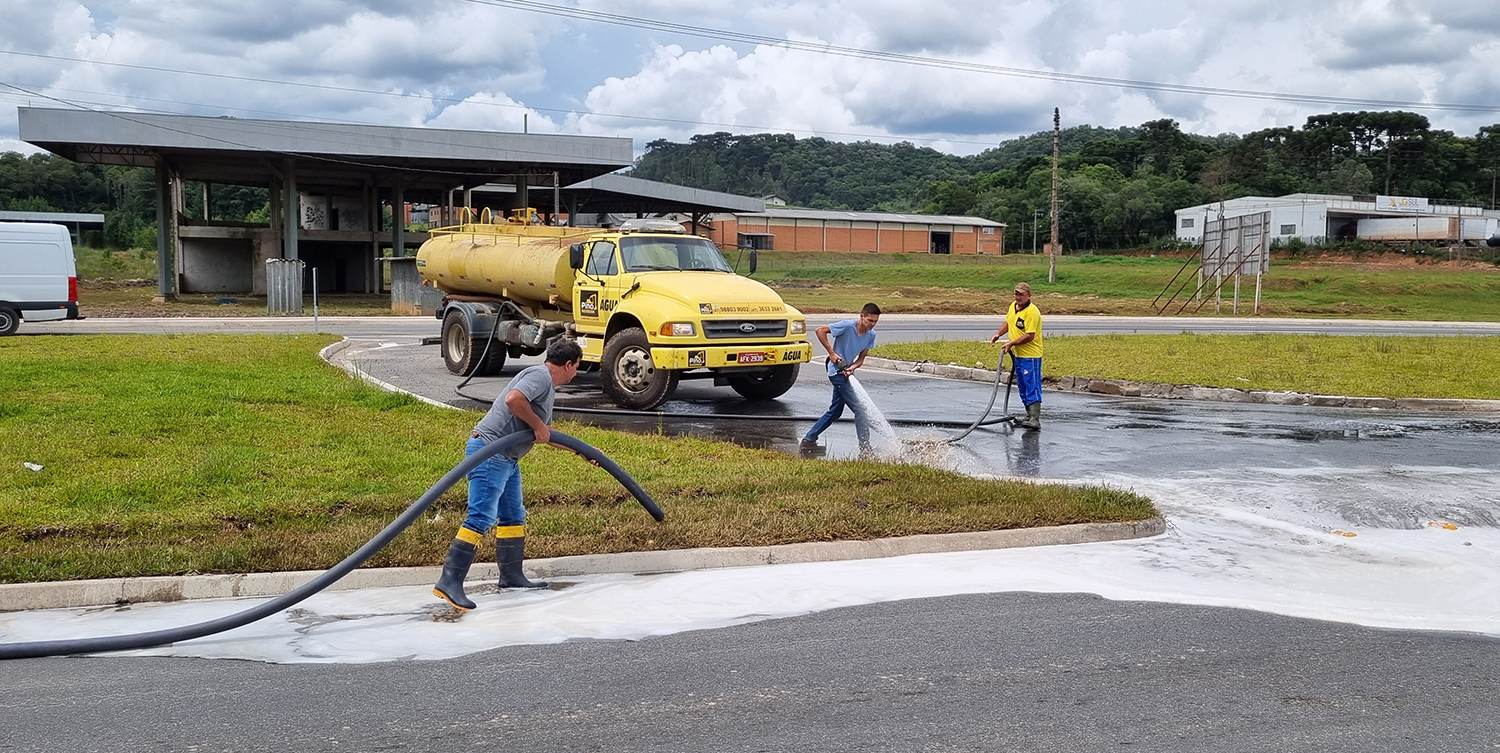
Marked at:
<point>38,280</point>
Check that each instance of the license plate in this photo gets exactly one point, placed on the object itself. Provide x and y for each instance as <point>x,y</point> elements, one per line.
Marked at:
<point>752,358</point>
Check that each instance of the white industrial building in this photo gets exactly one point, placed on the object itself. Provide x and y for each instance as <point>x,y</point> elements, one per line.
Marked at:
<point>1314,218</point>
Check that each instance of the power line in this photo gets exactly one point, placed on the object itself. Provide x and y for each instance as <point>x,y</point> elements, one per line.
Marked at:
<point>461,100</point>
<point>930,62</point>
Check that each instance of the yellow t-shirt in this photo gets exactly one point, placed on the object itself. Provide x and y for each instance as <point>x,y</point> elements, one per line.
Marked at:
<point>1028,319</point>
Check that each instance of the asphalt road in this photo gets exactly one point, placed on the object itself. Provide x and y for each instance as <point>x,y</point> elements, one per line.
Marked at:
<point>893,327</point>
<point>1012,672</point>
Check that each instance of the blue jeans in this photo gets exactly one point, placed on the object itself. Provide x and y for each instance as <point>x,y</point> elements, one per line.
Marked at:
<point>494,492</point>
<point>843,394</point>
<point>1028,378</point>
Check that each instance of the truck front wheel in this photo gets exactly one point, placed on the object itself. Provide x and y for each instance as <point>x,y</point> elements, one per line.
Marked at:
<point>461,351</point>
<point>10,321</point>
<point>766,386</point>
<point>629,374</point>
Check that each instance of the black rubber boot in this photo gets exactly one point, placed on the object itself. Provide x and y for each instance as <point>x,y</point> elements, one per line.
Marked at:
<point>509,554</point>
<point>1033,418</point>
<point>450,587</point>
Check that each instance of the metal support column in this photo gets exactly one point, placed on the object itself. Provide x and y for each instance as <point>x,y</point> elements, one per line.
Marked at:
<point>291,211</point>
<point>398,219</point>
<point>164,287</point>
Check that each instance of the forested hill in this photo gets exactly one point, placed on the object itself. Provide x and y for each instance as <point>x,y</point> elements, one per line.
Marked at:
<point>1119,186</point>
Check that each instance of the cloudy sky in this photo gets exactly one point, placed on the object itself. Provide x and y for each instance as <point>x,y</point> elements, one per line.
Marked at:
<point>484,64</point>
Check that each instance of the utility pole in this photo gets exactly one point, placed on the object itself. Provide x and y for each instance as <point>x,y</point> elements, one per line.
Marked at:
<point>1036,218</point>
<point>1052,249</point>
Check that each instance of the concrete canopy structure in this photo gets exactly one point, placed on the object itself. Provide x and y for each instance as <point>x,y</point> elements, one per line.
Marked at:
<point>340,175</point>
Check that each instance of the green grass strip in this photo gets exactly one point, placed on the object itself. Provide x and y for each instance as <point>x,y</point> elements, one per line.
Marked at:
<point>1443,367</point>
<point>219,454</point>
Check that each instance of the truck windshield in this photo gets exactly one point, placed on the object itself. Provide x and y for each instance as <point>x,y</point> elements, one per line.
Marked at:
<point>650,253</point>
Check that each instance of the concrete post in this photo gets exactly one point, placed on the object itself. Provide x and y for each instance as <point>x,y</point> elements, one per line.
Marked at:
<point>398,219</point>
<point>292,210</point>
<point>164,287</point>
<point>207,202</point>
<point>521,199</point>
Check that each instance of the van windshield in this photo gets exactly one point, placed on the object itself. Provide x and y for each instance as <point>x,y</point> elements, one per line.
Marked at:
<point>653,253</point>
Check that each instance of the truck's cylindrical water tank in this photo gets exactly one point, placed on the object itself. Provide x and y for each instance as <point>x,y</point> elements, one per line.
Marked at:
<point>531,270</point>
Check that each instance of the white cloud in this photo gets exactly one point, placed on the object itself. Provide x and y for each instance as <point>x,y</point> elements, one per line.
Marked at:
<point>469,65</point>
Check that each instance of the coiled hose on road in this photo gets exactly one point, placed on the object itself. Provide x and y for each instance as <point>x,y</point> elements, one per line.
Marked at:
<point>261,611</point>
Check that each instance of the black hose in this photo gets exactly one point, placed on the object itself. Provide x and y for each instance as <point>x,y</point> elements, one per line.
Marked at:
<point>329,576</point>
<point>1005,410</point>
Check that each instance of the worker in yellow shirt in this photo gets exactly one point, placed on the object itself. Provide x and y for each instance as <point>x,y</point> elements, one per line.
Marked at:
<point>1024,324</point>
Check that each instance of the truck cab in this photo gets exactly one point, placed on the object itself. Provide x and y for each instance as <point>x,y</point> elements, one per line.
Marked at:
<point>653,306</point>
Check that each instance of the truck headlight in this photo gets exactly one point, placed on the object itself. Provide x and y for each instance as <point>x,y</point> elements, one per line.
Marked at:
<point>678,329</point>
<point>799,327</point>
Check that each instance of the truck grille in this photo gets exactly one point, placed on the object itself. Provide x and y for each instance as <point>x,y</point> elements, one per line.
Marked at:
<point>725,328</point>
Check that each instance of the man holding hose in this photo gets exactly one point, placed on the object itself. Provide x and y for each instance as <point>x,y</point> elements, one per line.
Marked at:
<point>495,485</point>
<point>1024,324</point>
<point>852,339</point>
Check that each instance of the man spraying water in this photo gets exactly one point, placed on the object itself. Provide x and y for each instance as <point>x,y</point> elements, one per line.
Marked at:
<point>852,339</point>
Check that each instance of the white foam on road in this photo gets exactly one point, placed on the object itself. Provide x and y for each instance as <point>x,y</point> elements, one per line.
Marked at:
<point>1425,555</point>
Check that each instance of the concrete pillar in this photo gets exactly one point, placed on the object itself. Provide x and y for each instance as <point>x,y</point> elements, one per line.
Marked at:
<point>164,287</point>
<point>207,202</point>
<point>291,210</point>
<point>521,200</point>
<point>398,220</point>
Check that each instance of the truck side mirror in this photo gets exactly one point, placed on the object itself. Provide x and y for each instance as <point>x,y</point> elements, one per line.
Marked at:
<point>575,256</point>
<point>753,259</point>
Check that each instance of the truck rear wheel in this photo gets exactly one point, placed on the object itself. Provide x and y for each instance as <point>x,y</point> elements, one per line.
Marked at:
<point>10,321</point>
<point>461,351</point>
<point>767,386</point>
<point>629,374</point>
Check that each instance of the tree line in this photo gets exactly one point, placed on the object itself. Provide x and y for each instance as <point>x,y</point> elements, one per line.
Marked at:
<point>1117,187</point>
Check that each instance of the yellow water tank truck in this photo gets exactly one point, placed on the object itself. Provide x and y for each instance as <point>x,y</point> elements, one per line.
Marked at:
<point>649,304</point>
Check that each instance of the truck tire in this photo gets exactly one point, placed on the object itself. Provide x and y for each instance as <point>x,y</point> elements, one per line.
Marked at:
<point>461,351</point>
<point>10,321</point>
<point>767,386</point>
<point>629,375</point>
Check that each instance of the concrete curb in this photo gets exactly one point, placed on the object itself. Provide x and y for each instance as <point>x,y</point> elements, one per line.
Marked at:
<point>328,354</point>
<point>86,593</point>
<point>1127,388</point>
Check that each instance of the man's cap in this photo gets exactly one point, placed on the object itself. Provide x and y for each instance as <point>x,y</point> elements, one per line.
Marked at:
<point>1022,287</point>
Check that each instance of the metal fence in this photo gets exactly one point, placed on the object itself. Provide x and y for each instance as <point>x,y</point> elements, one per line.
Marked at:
<point>284,286</point>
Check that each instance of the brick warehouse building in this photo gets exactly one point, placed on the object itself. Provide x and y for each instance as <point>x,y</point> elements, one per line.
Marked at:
<point>782,229</point>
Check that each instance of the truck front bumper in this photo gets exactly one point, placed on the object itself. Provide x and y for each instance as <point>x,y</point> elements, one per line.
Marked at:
<point>730,356</point>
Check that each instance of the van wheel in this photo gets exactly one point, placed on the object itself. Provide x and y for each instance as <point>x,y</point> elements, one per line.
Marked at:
<point>461,352</point>
<point>10,321</point>
<point>768,386</point>
<point>629,374</point>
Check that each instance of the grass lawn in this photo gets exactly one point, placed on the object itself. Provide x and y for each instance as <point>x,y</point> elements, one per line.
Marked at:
<point>221,454</point>
<point>1388,287</point>
<point>1454,367</point>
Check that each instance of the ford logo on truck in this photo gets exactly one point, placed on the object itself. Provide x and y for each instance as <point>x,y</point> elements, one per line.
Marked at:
<point>747,328</point>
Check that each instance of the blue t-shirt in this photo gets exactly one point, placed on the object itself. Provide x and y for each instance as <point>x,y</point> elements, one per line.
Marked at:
<point>848,343</point>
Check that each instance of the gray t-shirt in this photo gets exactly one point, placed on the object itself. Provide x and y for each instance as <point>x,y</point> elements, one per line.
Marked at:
<point>535,382</point>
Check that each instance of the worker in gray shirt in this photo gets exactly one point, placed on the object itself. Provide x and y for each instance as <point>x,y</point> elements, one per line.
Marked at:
<point>495,485</point>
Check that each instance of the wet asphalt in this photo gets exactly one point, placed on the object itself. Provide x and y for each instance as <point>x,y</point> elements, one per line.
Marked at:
<point>1084,436</point>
